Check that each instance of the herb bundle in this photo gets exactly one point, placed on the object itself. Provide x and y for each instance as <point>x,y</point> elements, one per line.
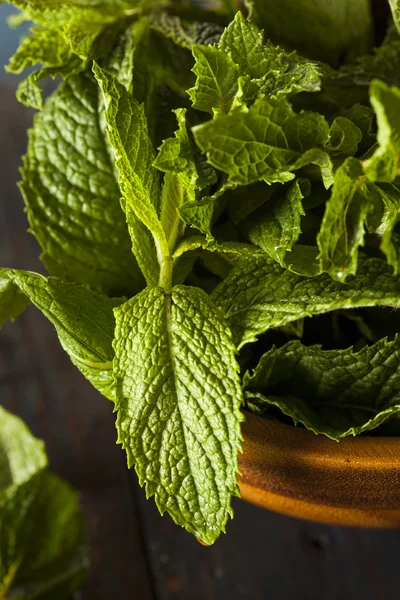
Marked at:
<point>205,186</point>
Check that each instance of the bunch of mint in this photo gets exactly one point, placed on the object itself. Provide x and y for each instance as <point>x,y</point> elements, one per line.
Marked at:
<point>199,190</point>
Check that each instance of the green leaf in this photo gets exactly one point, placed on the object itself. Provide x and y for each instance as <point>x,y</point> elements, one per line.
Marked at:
<point>353,201</point>
<point>345,137</point>
<point>259,294</point>
<point>72,195</point>
<point>199,213</point>
<point>12,301</point>
<point>139,180</point>
<point>83,319</point>
<point>320,29</point>
<point>276,226</point>
<point>22,455</point>
<point>198,241</point>
<point>178,390</point>
<point>334,392</point>
<point>217,80</point>
<point>267,142</point>
<point>42,554</point>
<point>275,71</point>
<point>395,7</point>
<point>390,241</point>
<point>384,164</point>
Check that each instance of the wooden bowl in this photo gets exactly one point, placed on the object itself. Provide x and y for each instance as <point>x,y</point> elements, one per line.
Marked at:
<point>295,472</point>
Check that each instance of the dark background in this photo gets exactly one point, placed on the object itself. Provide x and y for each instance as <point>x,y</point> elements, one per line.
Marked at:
<point>135,553</point>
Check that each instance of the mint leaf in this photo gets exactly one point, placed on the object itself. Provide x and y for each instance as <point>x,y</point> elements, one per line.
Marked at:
<point>180,393</point>
<point>139,180</point>
<point>197,241</point>
<point>274,71</point>
<point>217,80</point>
<point>395,7</point>
<point>42,553</point>
<point>12,301</point>
<point>319,29</point>
<point>390,245</point>
<point>276,227</point>
<point>384,164</point>
<point>334,392</point>
<point>353,201</point>
<point>259,295</point>
<point>345,137</point>
<point>72,195</point>
<point>83,319</point>
<point>268,142</point>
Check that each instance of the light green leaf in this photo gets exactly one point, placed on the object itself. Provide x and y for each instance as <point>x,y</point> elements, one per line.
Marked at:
<point>139,180</point>
<point>267,142</point>
<point>42,552</point>
<point>384,164</point>
<point>199,214</point>
<point>321,29</point>
<point>276,226</point>
<point>395,7</point>
<point>195,242</point>
<point>390,241</point>
<point>333,392</point>
<point>12,301</point>
<point>21,454</point>
<point>178,405</point>
<point>274,71</point>
<point>353,201</point>
<point>72,195</point>
<point>344,137</point>
<point>217,80</point>
<point>83,319</point>
<point>259,295</point>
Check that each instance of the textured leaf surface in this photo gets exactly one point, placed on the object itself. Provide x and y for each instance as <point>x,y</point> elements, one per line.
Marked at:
<point>353,201</point>
<point>139,180</point>
<point>72,195</point>
<point>42,551</point>
<point>83,319</point>
<point>334,392</point>
<point>276,226</point>
<point>178,405</point>
<point>384,164</point>
<point>259,295</point>
<point>267,142</point>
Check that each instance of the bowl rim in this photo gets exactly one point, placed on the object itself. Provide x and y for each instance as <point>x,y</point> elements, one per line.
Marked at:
<point>293,471</point>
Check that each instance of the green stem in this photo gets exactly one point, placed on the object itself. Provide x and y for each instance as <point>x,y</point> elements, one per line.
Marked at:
<point>166,272</point>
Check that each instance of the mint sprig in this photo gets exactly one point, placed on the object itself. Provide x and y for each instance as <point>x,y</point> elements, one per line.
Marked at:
<point>195,185</point>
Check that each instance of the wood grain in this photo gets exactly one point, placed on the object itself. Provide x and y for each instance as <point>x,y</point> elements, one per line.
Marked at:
<point>295,472</point>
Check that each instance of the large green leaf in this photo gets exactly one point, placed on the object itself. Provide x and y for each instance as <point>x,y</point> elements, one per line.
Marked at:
<point>259,294</point>
<point>139,180</point>
<point>83,319</point>
<point>334,392</point>
<point>42,550</point>
<point>267,142</point>
<point>178,398</point>
<point>72,195</point>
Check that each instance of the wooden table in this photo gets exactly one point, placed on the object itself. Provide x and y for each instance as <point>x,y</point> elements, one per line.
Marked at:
<point>135,553</point>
